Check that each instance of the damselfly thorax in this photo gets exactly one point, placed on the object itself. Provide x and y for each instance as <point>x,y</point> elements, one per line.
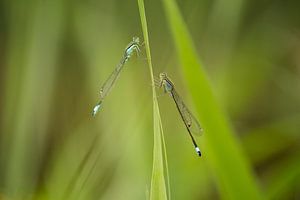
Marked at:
<point>166,82</point>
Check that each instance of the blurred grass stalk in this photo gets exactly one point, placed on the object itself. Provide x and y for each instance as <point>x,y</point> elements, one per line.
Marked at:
<point>233,171</point>
<point>31,61</point>
<point>158,187</point>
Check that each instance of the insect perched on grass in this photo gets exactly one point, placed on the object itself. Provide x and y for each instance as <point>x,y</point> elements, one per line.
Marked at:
<point>133,46</point>
<point>191,123</point>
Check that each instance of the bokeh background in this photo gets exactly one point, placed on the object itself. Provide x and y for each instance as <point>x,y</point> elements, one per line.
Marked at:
<point>54,56</point>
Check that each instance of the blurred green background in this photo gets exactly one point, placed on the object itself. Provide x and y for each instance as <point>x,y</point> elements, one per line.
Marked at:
<point>54,56</point>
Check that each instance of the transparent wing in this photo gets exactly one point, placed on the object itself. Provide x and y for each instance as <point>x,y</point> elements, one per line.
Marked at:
<point>109,83</point>
<point>188,118</point>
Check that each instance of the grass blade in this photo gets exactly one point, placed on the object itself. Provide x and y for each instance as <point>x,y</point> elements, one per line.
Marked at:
<point>230,166</point>
<point>158,187</point>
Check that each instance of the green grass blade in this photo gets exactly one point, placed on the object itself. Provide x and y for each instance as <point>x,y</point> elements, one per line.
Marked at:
<point>232,170</point>
<point>158,187</point>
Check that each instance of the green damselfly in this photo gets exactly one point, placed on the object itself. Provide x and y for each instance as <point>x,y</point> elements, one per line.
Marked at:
<point>191,123</point>
<point>133,46</point>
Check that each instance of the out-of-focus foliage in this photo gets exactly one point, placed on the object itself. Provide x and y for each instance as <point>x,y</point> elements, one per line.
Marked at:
<point>54,56</point>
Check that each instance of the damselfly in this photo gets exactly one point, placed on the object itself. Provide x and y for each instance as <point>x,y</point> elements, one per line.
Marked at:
<point>133,46</point>
<point>190,122</point>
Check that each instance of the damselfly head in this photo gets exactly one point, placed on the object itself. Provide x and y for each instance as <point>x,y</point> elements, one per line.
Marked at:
<point>136,40</point>
<point>162,76</point>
